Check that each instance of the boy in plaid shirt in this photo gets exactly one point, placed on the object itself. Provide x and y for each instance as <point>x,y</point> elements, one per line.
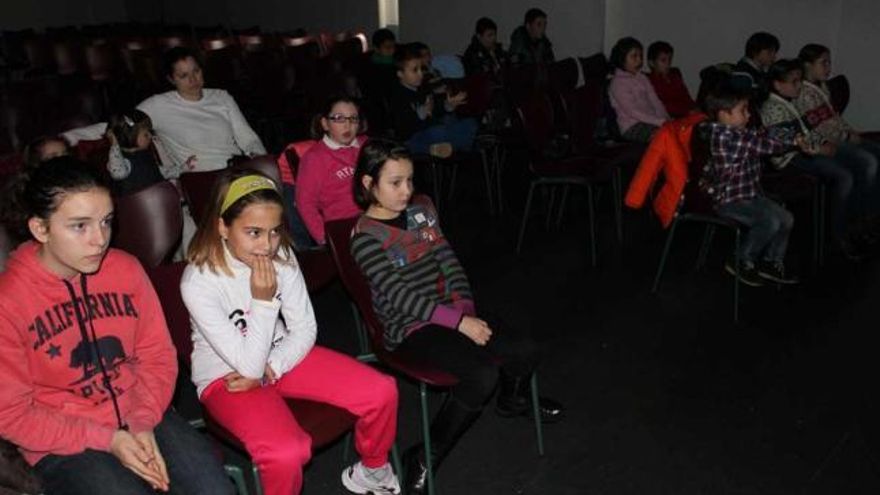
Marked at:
<point>731,177</point>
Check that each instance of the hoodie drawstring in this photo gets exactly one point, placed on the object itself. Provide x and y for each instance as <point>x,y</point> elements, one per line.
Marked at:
<point>80,319</point>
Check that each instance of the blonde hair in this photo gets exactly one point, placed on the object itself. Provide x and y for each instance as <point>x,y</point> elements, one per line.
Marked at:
<point>206,248</point>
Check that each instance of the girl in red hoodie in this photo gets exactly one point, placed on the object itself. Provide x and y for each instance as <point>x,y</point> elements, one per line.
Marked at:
<point>324,182</point>
<point>87,364</point>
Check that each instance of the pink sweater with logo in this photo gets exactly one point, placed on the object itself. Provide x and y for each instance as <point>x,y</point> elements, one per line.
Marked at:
<point>324,185</point>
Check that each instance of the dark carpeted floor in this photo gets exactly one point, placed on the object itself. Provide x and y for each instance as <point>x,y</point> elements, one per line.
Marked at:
<point>665,394</point>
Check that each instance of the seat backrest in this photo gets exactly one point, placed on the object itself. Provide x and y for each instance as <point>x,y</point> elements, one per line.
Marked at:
<point>479,94</point>
<point>838,86</point>
<point>594,67</point>
<point>264,164</point>
<point>338,234</point>
<point>149,223</point>
<point>166,281</point>
<point>563,74</point>
<point>197,190</point>
<point>535,113</point>
<point>583,109</point>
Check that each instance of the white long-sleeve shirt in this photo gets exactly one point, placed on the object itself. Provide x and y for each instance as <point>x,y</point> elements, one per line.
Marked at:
<point>211,129</point>
<point>232,331</point>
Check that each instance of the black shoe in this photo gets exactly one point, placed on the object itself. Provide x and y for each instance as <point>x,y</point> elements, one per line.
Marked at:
<point>415,479</point>
<point>851,251</point>
<point>453,419</point>
<point>515,400</point>
<point>774,271</point>
<point>748,275</point>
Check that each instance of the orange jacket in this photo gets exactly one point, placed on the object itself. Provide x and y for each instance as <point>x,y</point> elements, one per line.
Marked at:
<point>669,153</point>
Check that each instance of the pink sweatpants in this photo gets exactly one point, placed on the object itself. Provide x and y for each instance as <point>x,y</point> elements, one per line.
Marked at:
<point>278,446</point>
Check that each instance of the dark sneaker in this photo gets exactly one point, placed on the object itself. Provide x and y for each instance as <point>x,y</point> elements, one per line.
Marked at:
<point>851,251</point>
<point>748,274</point>
<point>774,271</point>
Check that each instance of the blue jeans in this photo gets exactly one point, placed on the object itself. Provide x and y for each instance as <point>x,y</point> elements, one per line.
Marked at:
<point>862,160</point>
<point>192,465</point>
<point>768,223</point>
<point>839,184</point>
<point>459,132</point>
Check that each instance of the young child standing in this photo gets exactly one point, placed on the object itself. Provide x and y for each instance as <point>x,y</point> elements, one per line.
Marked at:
<point>485,54</point>
<point>423,119</point>
<point>731,177</point>
<point>254,344</point>
<point>668,82</point>
<point>529,43</point>
<point>87,363</point>
<point>639,111</point>
<point>324,180</point>
<point>422,296</point>
<point>847,176</point>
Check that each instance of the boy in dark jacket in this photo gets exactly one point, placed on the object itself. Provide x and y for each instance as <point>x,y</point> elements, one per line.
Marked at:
<point>423,119</point>
<point>485,54</point>
<point>529,43</point>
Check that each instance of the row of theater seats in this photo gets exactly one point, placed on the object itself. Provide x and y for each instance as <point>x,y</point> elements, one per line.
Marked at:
<point>56,80</point>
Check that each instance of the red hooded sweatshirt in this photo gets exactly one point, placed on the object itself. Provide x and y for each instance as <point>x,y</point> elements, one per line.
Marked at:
<point>55,352</point>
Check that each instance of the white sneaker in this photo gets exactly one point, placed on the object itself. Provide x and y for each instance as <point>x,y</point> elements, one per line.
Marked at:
<point>356,479</point>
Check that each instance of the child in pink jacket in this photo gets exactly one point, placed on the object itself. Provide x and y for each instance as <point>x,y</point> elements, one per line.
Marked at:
<point>324,181</point>
<point>639,111</point>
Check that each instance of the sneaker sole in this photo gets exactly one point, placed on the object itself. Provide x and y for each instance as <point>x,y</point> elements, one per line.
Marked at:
<point>732,272</point>
<point>771,278</point>
<point>353,487</point>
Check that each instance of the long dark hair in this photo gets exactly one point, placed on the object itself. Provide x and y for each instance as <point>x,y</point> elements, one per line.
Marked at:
<point>37,192</point>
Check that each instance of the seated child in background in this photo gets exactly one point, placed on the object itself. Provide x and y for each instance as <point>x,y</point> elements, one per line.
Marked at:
<point>43,149</point>
<point>731,177</point>
<point>324,181</point>
<point>751,70</point>
<point>133,164</point>
<point>639,111</point>
<point>431,77</point>
<point>848,174</point>
<point>422,119</point>
<point>667,81</point>
<point>814,104</point>
<point>136,162</point>
<point>384,44</point>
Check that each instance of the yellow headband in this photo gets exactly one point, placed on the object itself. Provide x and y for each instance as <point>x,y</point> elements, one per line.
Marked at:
<point>243,186</point>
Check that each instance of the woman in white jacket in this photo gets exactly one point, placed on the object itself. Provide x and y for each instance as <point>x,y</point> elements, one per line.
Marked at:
<point>254,344</point>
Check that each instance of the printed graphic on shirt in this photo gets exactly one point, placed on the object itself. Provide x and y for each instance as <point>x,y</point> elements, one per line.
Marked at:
<point>57,319</point>
<point>83,355</point>
<point>346,172</point>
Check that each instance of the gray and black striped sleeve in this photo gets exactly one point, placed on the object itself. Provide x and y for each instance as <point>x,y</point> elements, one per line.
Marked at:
<point>385,278</point>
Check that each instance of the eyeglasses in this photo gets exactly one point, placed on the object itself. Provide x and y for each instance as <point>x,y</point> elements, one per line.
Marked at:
<point>338,118</point>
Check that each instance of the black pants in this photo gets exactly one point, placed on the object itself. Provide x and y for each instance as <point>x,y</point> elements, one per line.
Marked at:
<point>476,367</point>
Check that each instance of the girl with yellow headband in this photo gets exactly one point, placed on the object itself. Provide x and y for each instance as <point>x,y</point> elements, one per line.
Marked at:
<point>254,344</point>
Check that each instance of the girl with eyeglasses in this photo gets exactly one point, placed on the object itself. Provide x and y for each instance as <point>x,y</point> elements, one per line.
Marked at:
<point>324,182</point>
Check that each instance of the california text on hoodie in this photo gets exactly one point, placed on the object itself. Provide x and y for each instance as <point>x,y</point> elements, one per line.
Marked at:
<point>57,347</point>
